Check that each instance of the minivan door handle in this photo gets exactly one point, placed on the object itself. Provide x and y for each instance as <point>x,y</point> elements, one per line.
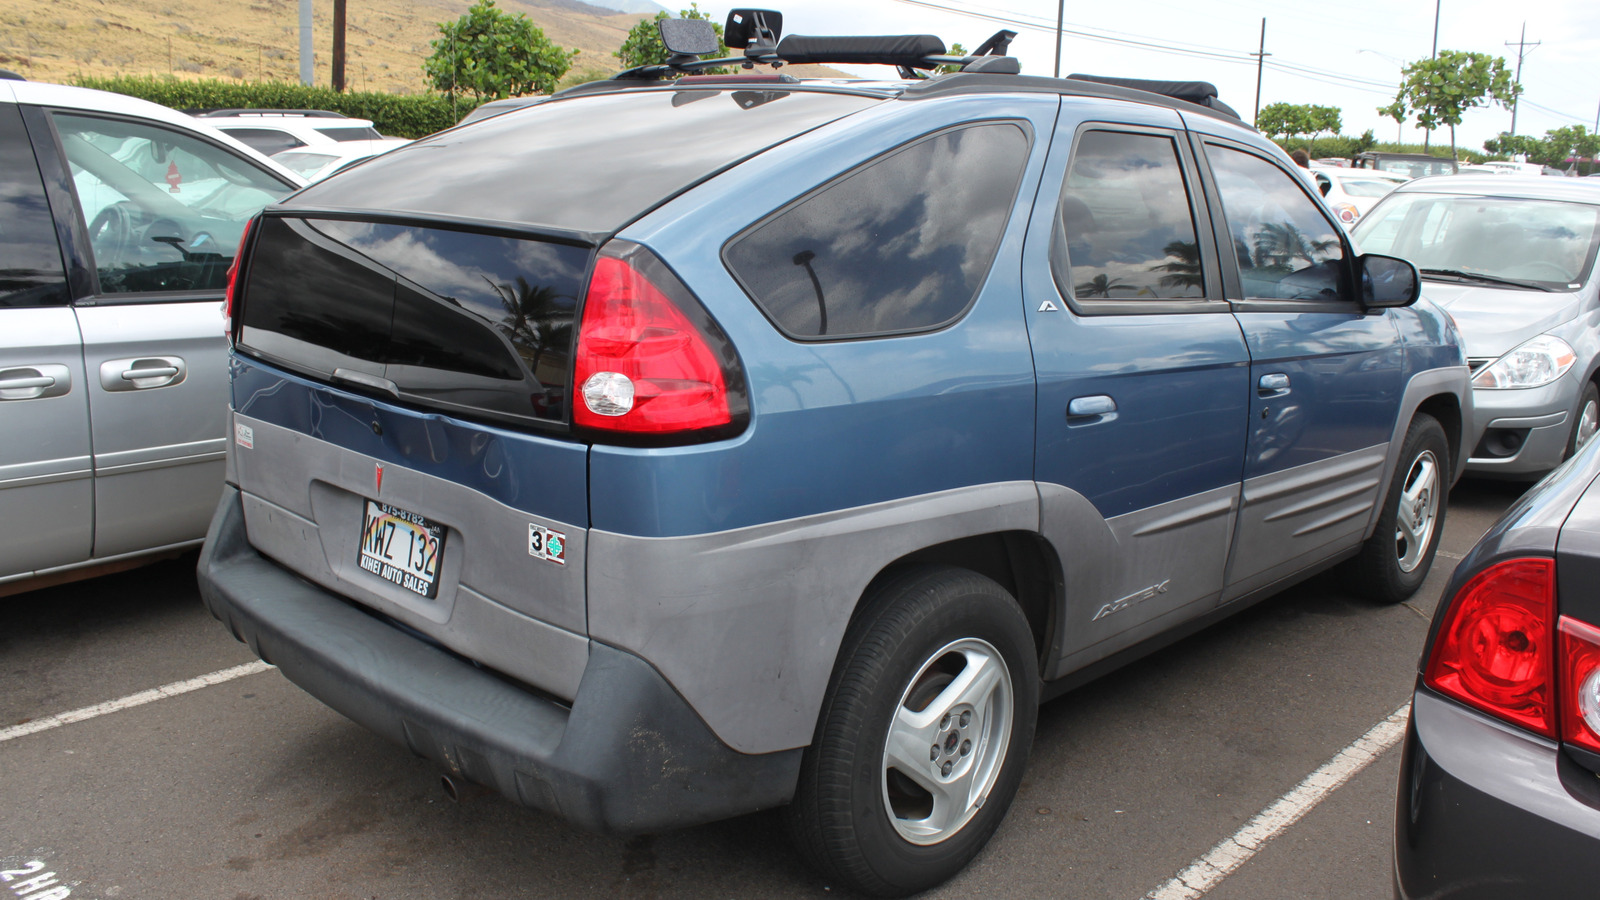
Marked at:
<point>1273,385</point>
<point>141,373</point>
<point>34,382</point>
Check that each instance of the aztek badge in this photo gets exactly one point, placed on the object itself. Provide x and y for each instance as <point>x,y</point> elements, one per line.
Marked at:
<point>546,544</point>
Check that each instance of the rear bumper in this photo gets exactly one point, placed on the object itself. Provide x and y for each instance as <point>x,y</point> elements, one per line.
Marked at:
<point>629,756</point>
<point>1485,811</point>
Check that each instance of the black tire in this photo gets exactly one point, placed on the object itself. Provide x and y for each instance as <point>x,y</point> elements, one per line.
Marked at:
<point>843,817</point>
<point>1394,562</point>
<point>1585,419</point>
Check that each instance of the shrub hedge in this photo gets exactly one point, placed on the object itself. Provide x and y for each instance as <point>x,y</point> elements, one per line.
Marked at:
<point>410,116</point>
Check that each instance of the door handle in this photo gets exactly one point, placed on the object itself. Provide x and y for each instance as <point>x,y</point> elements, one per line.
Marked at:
<point>1273,385</point>
<point>374,382</point>
<point>34,382</point>
<point>1096,405</point>
<point>141,373</point>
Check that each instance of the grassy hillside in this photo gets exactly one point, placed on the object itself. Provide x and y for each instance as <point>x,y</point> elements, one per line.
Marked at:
<point>255,40</point>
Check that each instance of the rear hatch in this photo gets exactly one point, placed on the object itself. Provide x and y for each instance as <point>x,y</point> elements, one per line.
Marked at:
<point>405,341</point>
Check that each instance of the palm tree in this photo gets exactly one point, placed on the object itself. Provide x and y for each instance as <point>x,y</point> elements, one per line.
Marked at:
<point>1099,286</point>
<point>1184,270</point>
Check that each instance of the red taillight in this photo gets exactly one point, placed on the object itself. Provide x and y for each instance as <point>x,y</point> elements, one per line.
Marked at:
<point>228,305</point>
<point>1580,684</point>
<point>1495,648</point>
<point>649,360</point>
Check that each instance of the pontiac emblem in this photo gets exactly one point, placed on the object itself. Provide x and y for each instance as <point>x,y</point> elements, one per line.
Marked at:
<point>377,480</point>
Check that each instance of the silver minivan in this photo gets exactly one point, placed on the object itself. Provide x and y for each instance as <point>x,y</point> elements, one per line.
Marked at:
<point>1512,259</point>
<point>119,221</point>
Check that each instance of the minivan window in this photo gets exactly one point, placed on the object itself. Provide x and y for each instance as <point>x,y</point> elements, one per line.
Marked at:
<point>1125,229</point>
<point>900,244</point>
<point>1286,248</point>
<point>31,271</point>
<point>164,209</point>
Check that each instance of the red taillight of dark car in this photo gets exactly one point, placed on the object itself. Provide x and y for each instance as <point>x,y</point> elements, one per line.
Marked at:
<point>230,305</point>
<point>1579,680</point>
<point>650,361</point>
<point>1495,650</point>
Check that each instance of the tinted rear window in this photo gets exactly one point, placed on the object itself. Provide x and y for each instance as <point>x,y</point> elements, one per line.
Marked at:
<point>358,133</point>
<point>586,163</point>
<point>466,322</point>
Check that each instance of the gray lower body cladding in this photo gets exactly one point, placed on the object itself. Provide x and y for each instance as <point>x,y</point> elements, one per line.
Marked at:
<point>628,756</point>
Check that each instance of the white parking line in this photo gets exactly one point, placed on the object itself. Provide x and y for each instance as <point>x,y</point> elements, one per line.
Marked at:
<point>1208,871</point>
<point>132,700</point>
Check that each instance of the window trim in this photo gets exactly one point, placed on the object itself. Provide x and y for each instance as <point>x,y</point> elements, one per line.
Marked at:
<point>1213,301</point>
<point>1349,303</point>
<point>1022,125</point>
<point>66,207</point>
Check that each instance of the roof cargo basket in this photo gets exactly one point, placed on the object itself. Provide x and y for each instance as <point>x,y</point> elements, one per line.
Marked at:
<point>1200,93</point>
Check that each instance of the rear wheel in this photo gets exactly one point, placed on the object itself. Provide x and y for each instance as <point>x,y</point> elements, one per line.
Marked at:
<point>923,737</point>
<point>1394,562</point>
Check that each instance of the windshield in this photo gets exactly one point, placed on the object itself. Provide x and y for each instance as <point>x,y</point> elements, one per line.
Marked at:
<point>1549,242</point>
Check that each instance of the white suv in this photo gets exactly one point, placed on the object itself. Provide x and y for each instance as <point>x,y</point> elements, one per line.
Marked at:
<point>275,130</point>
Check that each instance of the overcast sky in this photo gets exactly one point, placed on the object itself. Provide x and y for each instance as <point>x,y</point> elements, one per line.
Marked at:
<point>1347,54</point>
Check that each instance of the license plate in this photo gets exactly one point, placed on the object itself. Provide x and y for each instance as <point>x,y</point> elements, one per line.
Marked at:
<point>400,546</point>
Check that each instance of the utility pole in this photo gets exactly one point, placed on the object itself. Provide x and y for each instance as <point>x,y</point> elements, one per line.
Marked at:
<point>1427,134</point>
<point>305,42</point>
<point>1522,45</point>
<point>1061,22</point>
<point>338,45</point>
<point>1261,59</point>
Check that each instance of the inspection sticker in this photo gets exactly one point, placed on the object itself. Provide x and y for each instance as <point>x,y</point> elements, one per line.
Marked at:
<point>244,435</point>
<point>546,544</point>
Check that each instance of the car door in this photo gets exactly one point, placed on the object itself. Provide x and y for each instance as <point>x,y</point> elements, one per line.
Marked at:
<point>46,487</point>
<point>161,211</point>
<point>1141,369</point>
<point>1325,374</point>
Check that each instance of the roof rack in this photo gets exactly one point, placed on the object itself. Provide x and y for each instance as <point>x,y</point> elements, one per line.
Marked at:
<point>1200,93</point>
<point>267,113</point>
<point>759,33</point>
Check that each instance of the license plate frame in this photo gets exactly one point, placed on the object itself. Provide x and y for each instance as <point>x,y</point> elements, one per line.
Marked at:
<point>403,548</point>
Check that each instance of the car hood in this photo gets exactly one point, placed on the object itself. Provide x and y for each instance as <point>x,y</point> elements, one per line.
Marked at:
<point>1494,320</point>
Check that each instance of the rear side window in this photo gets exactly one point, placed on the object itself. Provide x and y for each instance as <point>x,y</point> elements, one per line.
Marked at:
<point>358,133</point>
<point>901,244</point>
<point>266,141</point>
<point>31,273</point>
<point>1124,229</point>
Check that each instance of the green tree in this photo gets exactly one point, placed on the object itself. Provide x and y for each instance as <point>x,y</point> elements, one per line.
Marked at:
<point>1289,120</point>
<point>643,45</point>
<point>955,50</point>
<point>1554,149</point>
<point>492,54</point>
<point>1440,90</point>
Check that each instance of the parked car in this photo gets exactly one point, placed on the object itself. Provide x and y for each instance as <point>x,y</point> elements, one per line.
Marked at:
<point>1513,262</point>
<point>1499,793</point>
<point>780,442</point>
<point>272,131</point>
<point>119,220</point>
<point>503,105</point>
<point>1409,165</point>
<point>317,163</point>
<point>1350,193</point>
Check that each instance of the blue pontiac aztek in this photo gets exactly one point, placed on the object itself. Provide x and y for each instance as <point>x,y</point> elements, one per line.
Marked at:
<point>687,445</point>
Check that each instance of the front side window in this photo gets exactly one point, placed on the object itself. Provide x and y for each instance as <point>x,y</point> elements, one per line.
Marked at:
<point>1124,229</point>
<point>1286,248</point>
<point>31,273</point>
<point>164,209</point>
<point>901,244</point>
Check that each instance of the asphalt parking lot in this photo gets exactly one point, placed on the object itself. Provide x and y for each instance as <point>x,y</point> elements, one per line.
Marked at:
<point>247,788</point>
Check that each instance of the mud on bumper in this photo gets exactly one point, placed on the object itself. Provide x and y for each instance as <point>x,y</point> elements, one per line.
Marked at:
<point>629,756</point>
